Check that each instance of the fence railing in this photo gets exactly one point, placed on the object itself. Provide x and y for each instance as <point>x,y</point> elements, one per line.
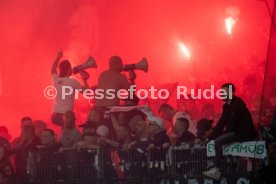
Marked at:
<point>176,164</point>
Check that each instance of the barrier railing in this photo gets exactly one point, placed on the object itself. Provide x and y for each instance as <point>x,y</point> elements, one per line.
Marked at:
<point>173,165</point>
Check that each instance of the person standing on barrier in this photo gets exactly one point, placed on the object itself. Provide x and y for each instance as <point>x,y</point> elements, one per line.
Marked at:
<point>238,124</point>
<point>113,79</point>
<point>60,80</point>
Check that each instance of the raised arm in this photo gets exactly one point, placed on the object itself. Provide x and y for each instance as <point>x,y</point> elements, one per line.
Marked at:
<point>56,61</point>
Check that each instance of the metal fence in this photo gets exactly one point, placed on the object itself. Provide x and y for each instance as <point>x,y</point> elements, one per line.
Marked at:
<point>174,165</point>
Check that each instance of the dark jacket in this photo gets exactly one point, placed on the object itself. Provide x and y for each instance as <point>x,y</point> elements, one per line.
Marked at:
<point>22,151</point>
<point>186,137</point>
<point>160,138</point>
<point>236,118</point>
<point>273,125</point>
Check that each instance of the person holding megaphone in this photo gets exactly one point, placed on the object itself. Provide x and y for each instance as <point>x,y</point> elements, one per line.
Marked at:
<point>113,79</point>
<point>62,78</point>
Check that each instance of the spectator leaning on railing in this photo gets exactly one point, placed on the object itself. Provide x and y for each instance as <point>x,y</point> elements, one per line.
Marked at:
<point>29,143</point>
<point>181,133</point>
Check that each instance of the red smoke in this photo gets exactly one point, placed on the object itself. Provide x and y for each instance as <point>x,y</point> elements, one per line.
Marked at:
<point>32,31</point>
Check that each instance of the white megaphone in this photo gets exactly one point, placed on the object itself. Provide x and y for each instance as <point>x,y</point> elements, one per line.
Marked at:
<point>89,63</point>
<point>141,65</point>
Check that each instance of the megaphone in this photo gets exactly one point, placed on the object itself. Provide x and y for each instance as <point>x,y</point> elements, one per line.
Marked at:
<point>141,65</point>
<point>89,63</point>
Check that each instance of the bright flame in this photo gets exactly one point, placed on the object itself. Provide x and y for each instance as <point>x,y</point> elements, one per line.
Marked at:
<point>184,50</point>
<point>229,23</point>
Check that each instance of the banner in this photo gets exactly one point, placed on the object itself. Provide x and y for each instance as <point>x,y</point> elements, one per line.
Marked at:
<point>253,149</point>
<point>231,180</point>
<point>122,108</point>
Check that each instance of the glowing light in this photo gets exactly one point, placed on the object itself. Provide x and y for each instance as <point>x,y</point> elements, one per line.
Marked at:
<point>229,23</point>
<point>184,50</point>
